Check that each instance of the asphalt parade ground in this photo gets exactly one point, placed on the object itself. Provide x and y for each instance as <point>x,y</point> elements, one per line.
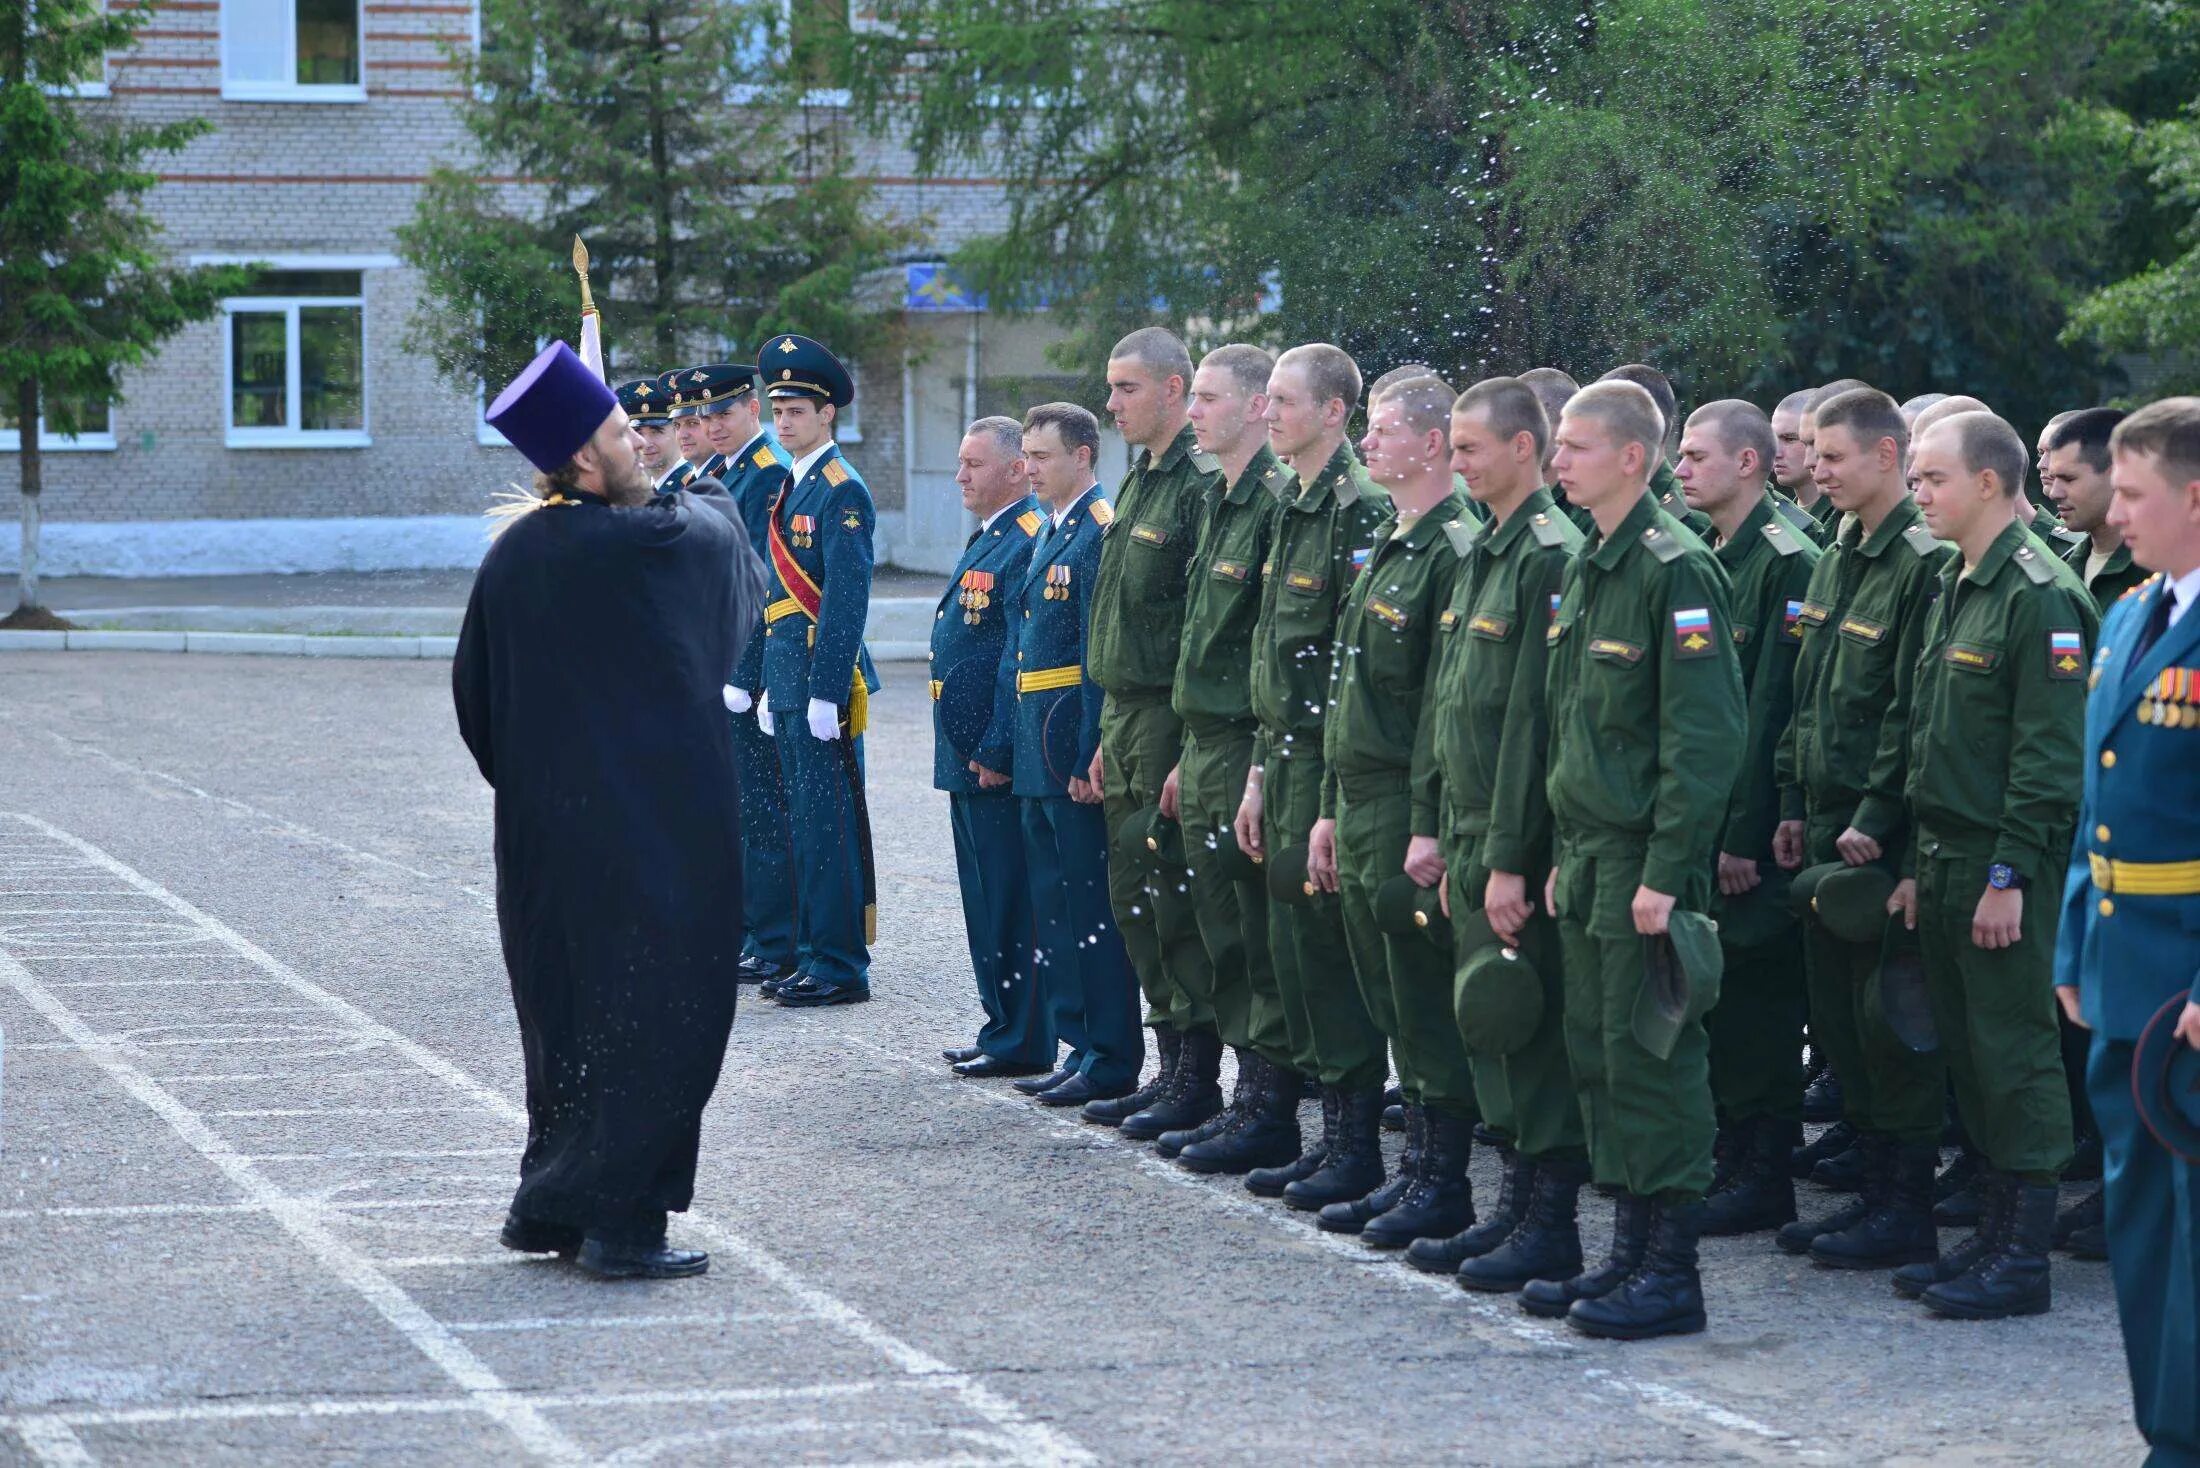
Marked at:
<point>260,1118</point>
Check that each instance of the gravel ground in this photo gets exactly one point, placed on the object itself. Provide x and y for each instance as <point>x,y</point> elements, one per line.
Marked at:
<point>260,1121</point>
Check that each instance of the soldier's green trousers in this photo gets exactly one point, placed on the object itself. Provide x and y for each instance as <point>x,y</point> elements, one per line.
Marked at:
<point>1996,1013</point>
<point>1332,1034</point>
<point>1406,978</point>
<point>1233,915</point>
<point>1756,1031</point>
<point>1528,1095</point>
<point>1649,1121</point>
<point>1140,742</point>
<point>1886,1087</point>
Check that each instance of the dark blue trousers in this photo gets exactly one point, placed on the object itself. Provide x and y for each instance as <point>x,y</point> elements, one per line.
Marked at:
<point>825,840</point>
<point>767,872</point>
<point>2153,1239</point>
<point>1085,977</point>
<point>1003,933</point>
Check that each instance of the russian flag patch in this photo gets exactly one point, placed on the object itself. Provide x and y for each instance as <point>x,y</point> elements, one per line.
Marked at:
<point>2065,655</point>
<point>1692,633</point>
<point>1792,626</point>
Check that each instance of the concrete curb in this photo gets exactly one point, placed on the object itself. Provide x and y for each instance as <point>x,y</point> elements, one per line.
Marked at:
<point>302,645</point>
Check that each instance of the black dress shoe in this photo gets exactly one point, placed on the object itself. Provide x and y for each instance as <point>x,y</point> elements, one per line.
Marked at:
<point>1078,1089</point>
<point>533,1236</point>
<point>811,992</point>
<point>993,1068</point>
<point>772,988</point>
<point>957,1054</point>
<point>754,970</point>
<point>609,1260</point>
<point>1033,1085</point>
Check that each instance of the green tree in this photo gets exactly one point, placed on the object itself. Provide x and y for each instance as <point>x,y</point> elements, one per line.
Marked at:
<point>84,289</point>
<point>672,137</point>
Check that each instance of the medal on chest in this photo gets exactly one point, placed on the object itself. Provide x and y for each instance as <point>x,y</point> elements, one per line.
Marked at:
<point>976,595</point>
<point>803,530</point>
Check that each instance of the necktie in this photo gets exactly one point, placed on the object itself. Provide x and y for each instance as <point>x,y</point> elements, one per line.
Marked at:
<point>973,540</point>
<point>2157,624</point>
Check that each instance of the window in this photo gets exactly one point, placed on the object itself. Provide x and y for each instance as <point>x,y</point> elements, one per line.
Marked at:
<point>92,82</point>
<point>291,51</point>
<point>95,429</point>
<point>848,422</point>
<point>800,40</point>
<point>296,361</point>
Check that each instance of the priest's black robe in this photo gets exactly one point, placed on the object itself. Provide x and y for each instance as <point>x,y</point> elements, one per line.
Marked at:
<point>587,679</point>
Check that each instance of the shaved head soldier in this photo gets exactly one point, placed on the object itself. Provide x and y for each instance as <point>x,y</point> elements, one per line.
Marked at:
<point>1662,483</point>
<point>1554,389</point>
<point>1790,471</point>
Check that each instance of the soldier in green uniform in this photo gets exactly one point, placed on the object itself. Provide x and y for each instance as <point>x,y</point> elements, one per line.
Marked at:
<point>1213,696</point>
<point>1757,1029</point>
<point>1822,509</point>
<point>1842,770</point>
<point>1487,739</point>
<point>1645,699</point>
<point>1554,389</point>
<point>1792,487</point>
<point>1662,483</point>
<point>1372,806</point>
<point>2075,470</point>
<point>1996,732</point>
<point>1137,634</point>
<point>1326,530</point>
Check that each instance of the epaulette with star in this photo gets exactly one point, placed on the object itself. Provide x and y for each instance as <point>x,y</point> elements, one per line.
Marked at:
<point>1028,522</point>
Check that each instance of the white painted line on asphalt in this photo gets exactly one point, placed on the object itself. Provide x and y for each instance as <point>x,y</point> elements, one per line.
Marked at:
<point>591,1322</point>
<point>397,1205</point>
<point>348,1111</point>
<point>470,1261</point>
<point>149,983</point>
<point>1034,1442</point>
<point>283,1075</point>
<point>53,1442</point>
<point>304,1223</point>
<point>365,1153</point>
<point>130,1210</point>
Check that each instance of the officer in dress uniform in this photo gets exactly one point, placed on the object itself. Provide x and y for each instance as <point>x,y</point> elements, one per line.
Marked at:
<point>969,630</point>
<point>702,394</point>
<point>649,413</point>
<point>2128,953</point>
<point>687,432</point>
<point>818,676</point>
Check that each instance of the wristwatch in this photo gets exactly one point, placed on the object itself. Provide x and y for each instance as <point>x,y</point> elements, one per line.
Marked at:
<point>2001,877</point>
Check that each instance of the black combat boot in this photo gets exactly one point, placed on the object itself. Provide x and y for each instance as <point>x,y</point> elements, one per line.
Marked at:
<point>1267,1135</point>
<point>1170,1043</point>
<point>2014,1278</point>
<point>1832,1142</point>
<point>1664,1295</point>
<point>2081,1230</point>
<point>1269,1182</point>
<point>1728,1145</point>
<point>1759,1194</point>
<point>1547,1243</point>
<point>1551,1298</point>
<point>1516,1175</point>
<point>2085,1161</point>
<point>1193,1096</point>
<point>1176,1139</point>
<point>1899,1227</point>
<point>1959,1198</point>
<point>1996,1191</point>
<point>1442,1202</point>
<point>1350,1215</point>
<point>1843,1172</point>
<point>1822,1097</point>
<point>1353,1165</point>
<point>1797,1237</point>
<point>1394,1109</point>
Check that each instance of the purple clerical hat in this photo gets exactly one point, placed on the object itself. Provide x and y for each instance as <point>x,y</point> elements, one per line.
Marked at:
<point>552,408</point>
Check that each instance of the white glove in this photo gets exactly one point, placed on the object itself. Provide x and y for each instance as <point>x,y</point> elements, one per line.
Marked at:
<point>764,719</point>
<point>737,700</point>
<point>824,719</point>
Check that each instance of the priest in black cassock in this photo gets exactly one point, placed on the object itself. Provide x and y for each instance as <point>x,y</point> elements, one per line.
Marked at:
<point>602,626</point>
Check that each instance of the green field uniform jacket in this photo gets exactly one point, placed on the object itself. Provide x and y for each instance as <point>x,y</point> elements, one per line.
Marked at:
<point>1324,532</point>
<point>1138,597</point>
<point>1489,732</point>
<point>1222,599</point>
<point>1998,726</point>
<point>1846,754</point>
<point>1769,561</point>
<point>1645,700</point>
<point>1382,662</point>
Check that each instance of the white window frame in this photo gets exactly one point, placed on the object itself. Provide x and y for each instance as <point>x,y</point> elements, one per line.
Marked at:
<point>294,91</point>
<point>848,422</point>
<point>748,94</point>
<point>93,89</point>
<point>298,438</point>
<point>11,439</point>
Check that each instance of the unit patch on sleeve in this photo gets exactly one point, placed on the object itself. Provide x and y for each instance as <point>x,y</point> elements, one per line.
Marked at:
<point>1692,633</point>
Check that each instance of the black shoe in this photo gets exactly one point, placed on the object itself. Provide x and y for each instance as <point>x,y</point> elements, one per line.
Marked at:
<point>1959,1196</point>
<point>2081,1229</point>
<point>1351,1215</point>
<point>993,1068</point>
<point>1033,1085</point>
<point>2015,1278</point>
<point>1218,1121</point>
<point>1441,1201</point>
<point>1797,1237</point>
<point>1169,1043</point>
<point>754,970</point>
<point>1663,1296</point>
<point>1515,1177</point>
<point>1352,1167</point>
<point>1822,1097</point>
<point>1547,1243</point>
<point>1843,1172</point>
<point>608,1260</point>
<point>1078,1090</point>
<point>1832,1142</point>
<point>1728,1143</point>
<point>1551,1298</point>
<point>1269,1182</point>
<point>957,1054</point>
<point>771,988</point>
<point>1758,1195</point>
<point>1267,1133</point>
<point>1394,1118</point>
<point>2085,1163</point>
<point>533,1236</point>
<point>1192,1098</point>
<point>811,992</point>
<point>1912,1280</point>
<point>1898,1227</point>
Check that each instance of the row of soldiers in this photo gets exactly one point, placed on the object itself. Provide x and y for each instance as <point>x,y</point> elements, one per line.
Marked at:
<point>1567,780</point>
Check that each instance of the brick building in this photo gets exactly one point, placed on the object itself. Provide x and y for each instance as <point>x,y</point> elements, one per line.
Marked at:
<point>294,431</point>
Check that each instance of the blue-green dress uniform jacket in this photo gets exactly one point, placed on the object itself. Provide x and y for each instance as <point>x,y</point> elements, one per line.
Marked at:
<point>969,634</point>
<point>824,525</point>
<point>754,479</point>
<point>1046,730</point>
<point>2130,942</point>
